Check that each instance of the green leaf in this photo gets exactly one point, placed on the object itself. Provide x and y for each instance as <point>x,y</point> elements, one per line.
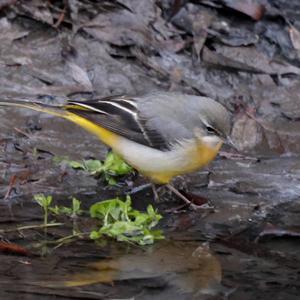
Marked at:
<point>59,159</point>
<point>42,200</point>
<point>110,179</point>
<point>61,210</point>
<point>112,166</point>
<point>69,211</point>
<point>101,209</point>
<point>94,235</point>
<point>119,228</point>
<point>93,166</point>
<point>121,222</point>
<point>55,210</point>
<point>76,206</point>
<point>76,164</point>
<point>115,165</point>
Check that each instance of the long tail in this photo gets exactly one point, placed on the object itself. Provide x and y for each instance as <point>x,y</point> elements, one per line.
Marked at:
<point>103,134</point>
<point>58,111</point>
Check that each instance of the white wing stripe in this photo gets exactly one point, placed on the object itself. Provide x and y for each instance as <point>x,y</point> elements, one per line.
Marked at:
<point>128,101</point>
<point>120,107</point>
<point>120,99</point>
<point>132,113</point>
<point>89,107</point>
<point>135,116</point>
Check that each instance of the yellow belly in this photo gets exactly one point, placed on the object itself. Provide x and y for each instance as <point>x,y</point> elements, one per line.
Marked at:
<point>196,159</point>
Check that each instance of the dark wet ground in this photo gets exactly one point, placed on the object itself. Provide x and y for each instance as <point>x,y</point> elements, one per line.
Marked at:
<point>247,57</point>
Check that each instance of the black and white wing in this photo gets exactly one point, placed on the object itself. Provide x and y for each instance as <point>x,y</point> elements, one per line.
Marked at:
<point>120,115</point>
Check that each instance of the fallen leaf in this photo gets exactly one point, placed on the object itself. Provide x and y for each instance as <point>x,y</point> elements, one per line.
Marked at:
<point>37,10</point>
<point>247,59</point>
<point>246,133</point>
<point>295,38</point>
<point>13,248</point>
<point>80,76</point>
<point>5,3</point>
<point>121,28</point>
<point>250,8</point>
<point>200,25</point>
<point>271,230</point>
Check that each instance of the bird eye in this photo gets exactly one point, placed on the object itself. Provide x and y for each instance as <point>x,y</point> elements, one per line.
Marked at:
<point>210,129</point>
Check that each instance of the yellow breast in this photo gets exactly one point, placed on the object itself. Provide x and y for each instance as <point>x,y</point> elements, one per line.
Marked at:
<point>195,159</point>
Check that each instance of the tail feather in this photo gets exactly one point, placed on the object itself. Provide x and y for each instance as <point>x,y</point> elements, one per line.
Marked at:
<point>37,106</point>
<point>103,134</point>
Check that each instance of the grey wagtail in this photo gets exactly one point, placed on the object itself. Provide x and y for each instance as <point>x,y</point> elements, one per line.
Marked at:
<point>161,134</point>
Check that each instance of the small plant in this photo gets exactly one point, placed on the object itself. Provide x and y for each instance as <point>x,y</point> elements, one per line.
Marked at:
<point>44,202</point>
<point>72,212</point>
<point>122,222</point>
<point>119,220</point>
<point>69,211</point>
<point>112,167</point>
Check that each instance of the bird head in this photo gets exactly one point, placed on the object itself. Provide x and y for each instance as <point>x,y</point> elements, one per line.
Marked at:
<point>215,123</point>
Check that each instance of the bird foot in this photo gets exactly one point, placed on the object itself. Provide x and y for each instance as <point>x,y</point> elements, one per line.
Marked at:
<point>188,203</point>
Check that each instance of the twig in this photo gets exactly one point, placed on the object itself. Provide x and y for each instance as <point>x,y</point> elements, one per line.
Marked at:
<point>22,132</point>
<point>60,19</point>
<point>30,227</point>
<point>11,184</point>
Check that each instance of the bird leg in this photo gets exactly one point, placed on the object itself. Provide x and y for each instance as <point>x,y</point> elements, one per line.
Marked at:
<point>182,197</point>
<point>155,193</point>
<point>171,188</point>
<point>178,194</point>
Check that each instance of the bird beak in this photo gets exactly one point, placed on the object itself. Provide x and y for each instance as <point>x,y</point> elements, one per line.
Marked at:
<point>230,143</point>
